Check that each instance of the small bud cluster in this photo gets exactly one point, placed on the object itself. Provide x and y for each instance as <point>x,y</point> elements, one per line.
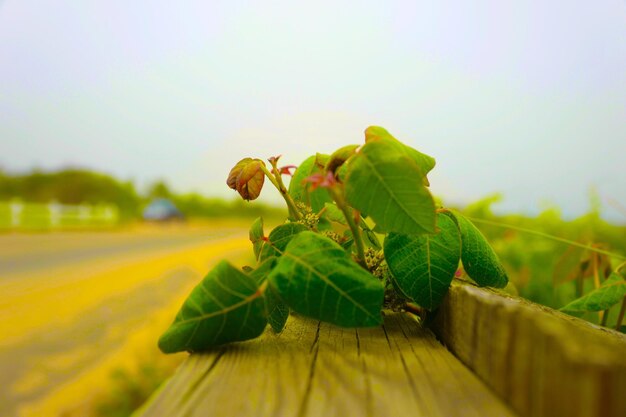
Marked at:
<point>375,261</point>
<point>309,219</point>
<point>303,208</point>
<point>334,236</point>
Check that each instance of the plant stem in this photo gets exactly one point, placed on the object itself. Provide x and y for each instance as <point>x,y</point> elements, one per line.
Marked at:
<point>579,285</point>
<point>620,317</point>
<point>262,288</point>
<point>413,308</point>
<point>605,317</point>
<point>356,232</point>
<point>277,181</point>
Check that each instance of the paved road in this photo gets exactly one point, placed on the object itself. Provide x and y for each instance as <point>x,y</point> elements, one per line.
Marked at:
<point>24,253</point>
<point>71,301</point>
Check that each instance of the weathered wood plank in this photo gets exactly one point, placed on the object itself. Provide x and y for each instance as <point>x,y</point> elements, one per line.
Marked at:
<point>541,362</point>
<point>315,369</point>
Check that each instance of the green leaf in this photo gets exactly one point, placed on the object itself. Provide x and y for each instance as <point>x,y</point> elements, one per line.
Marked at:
<point>479,260</point>
<point>348,241</point>
<point>371,239</point>
<point>369,235</point>
<point>256,236</point>
<point>334,213</point>
<point>388,186</point>
<point>262,271</point>
<point>317,278</point>
<point>340,156</point>
<point>424,265</point>
<point>226,306</point>
<point>279,238</point>
<point>299,190</point>
<point>324,224</point>
<point>425,162</point>
<point>341,172</point>
<point>611,292</point>
<point>277,310</point>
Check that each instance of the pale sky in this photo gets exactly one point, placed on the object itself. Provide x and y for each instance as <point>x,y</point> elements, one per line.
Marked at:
<point>527,98</point>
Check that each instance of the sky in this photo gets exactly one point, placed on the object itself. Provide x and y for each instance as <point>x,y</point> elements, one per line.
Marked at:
<point>523,98</point>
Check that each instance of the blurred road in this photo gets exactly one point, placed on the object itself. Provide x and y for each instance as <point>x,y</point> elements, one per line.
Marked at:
<point>70,300</point>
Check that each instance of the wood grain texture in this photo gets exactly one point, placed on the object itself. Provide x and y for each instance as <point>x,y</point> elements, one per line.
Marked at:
<point>540,361</point>
<point>316,369</point>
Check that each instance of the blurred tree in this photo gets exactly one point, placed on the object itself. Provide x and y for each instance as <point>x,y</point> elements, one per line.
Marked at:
<point>160,189</point>
<point>71,186</point>
<point>77,186</point>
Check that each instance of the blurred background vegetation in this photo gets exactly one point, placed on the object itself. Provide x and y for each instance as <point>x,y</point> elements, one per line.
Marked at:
<point>550,271</point>
<point>75,187</point>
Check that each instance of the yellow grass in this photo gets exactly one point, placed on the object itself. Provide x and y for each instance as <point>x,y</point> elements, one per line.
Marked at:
<point>55,298</point>
<point>80,396</point>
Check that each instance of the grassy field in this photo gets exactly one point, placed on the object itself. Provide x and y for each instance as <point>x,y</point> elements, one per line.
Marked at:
<point>81,312</point>
<point>545,255</point>
<point>17,215</point>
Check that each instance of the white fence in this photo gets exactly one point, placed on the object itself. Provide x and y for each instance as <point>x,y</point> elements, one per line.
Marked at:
<point>17,215</point>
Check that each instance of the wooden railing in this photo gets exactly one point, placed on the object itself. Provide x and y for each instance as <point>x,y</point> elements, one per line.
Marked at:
<point>541,362</point>
<point>496,356</point>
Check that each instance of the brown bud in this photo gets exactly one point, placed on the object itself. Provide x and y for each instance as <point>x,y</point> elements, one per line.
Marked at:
<point>247,178</point>
<point>274,159</point>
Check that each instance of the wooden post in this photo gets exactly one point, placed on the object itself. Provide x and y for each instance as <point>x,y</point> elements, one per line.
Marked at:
<point>540,361</point>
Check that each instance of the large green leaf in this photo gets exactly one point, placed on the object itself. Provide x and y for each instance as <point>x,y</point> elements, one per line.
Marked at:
<point>423,265</point>
<point>256,236</point>
<point>301,191</point>
<point>226,306</point>
<point>388,186</point>
<point>317,278</point>
<point>279,238</point>
<point>261,272</point>
<point>479,260</point>
<point>611,292</point>
<point>377,133</point>
<point>277,310</point>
